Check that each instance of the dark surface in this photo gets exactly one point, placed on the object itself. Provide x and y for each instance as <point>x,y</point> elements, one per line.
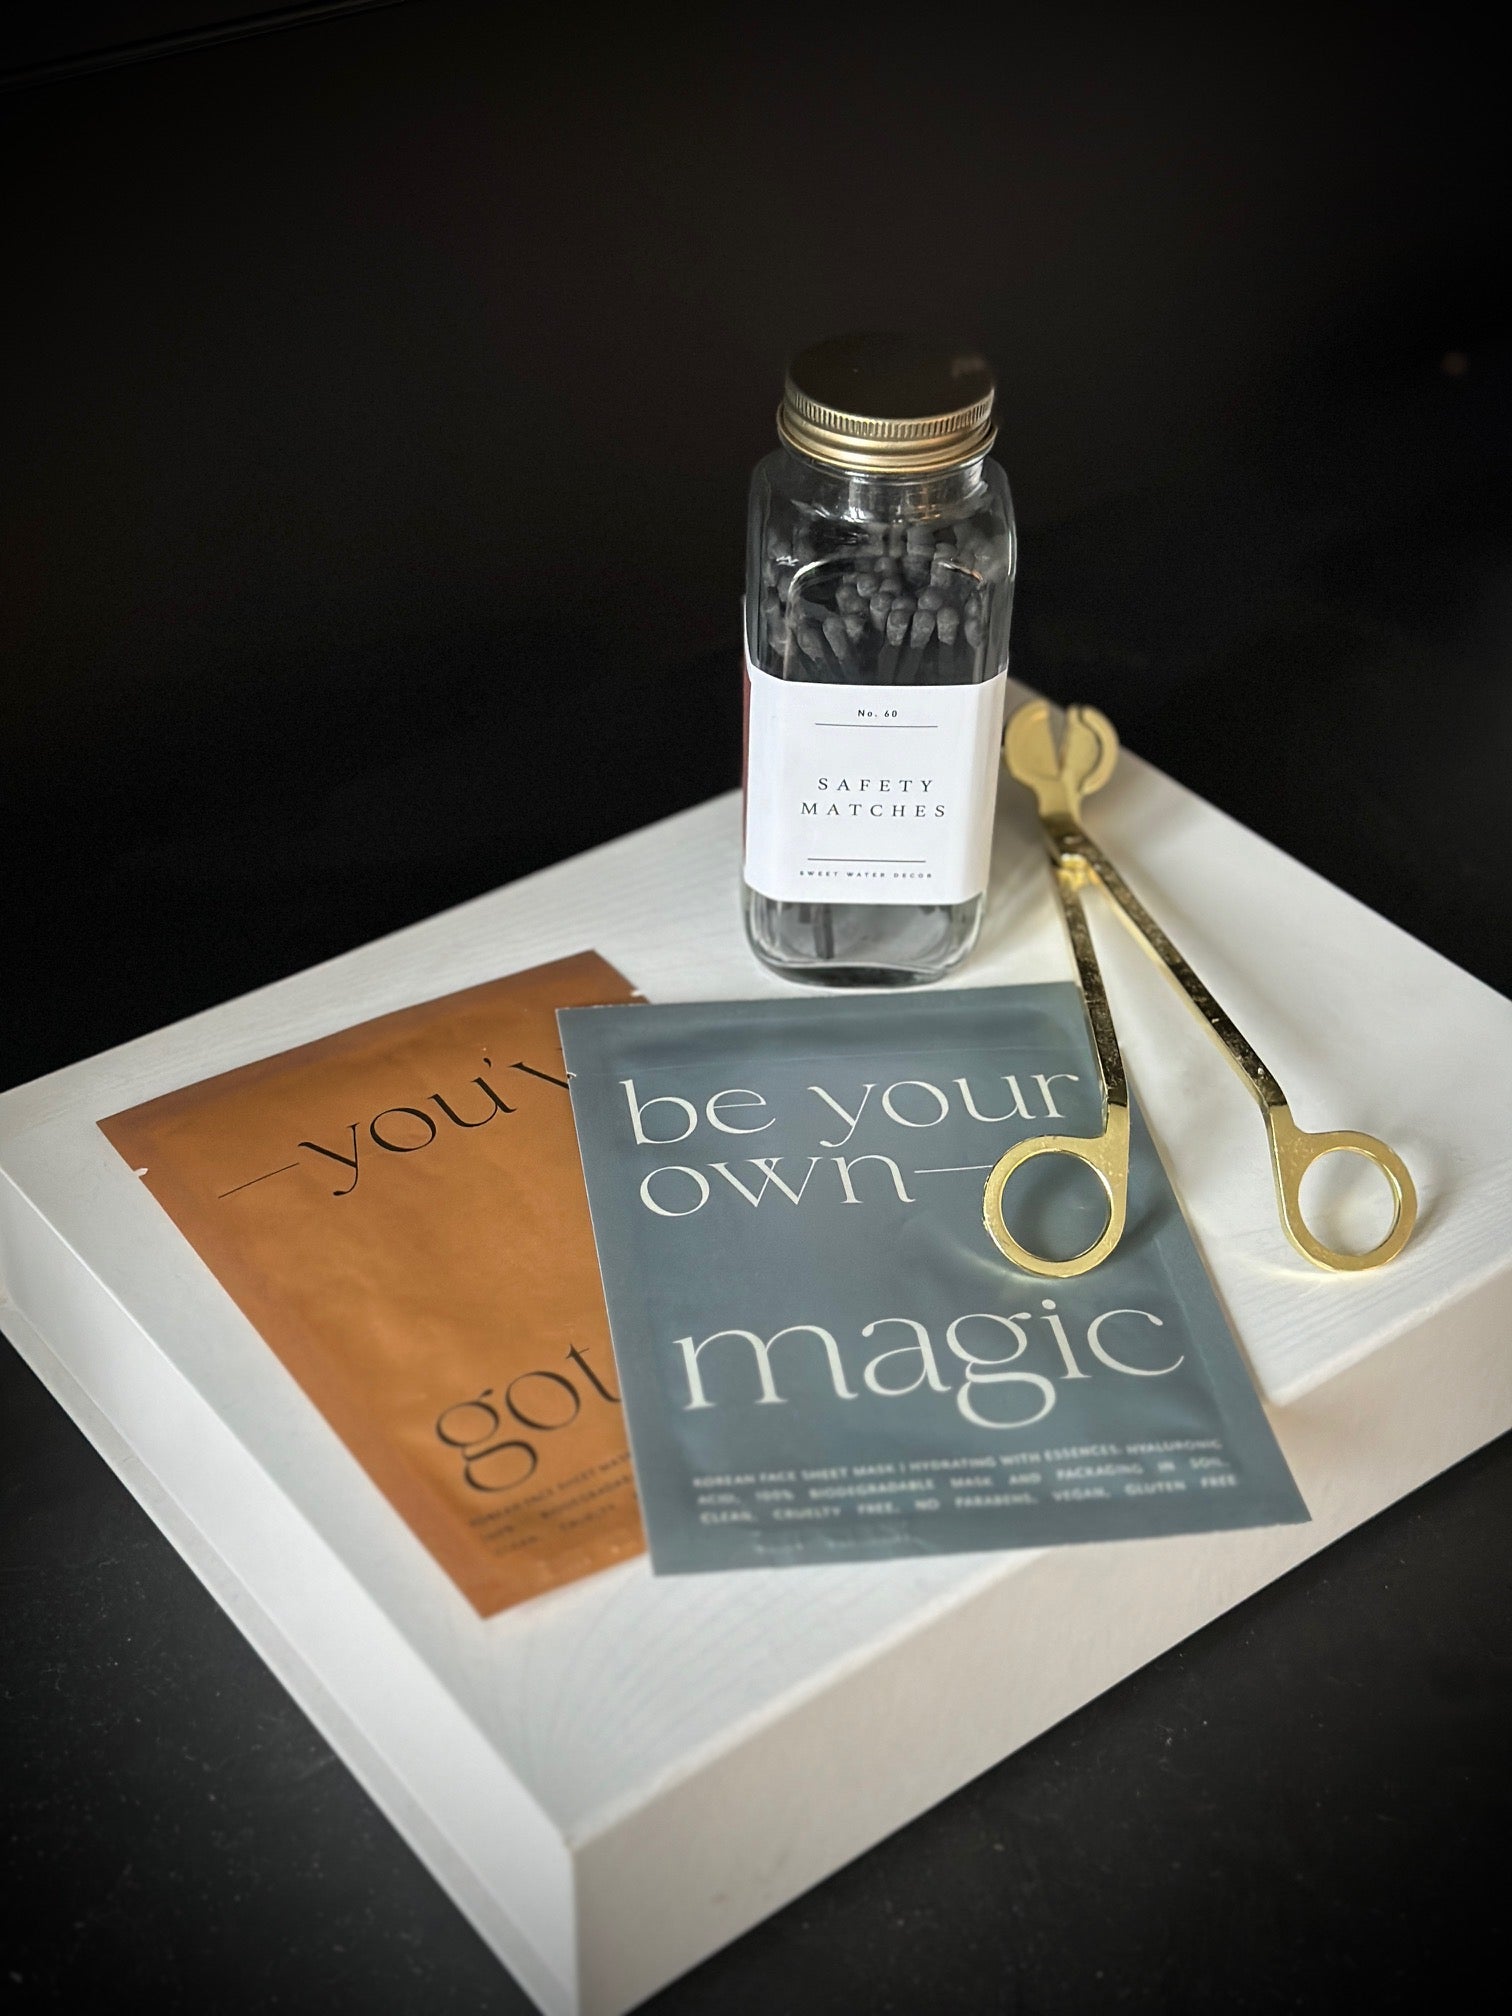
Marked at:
<point>381,398</point>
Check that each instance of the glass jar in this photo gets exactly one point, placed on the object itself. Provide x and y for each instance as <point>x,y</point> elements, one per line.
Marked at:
<point>879,588</point>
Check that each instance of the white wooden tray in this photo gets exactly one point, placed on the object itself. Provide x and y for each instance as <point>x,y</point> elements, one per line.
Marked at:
<point>616,1779</point>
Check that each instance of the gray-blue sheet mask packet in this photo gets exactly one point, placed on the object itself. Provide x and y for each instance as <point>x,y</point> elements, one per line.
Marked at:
<point>822,1355</point>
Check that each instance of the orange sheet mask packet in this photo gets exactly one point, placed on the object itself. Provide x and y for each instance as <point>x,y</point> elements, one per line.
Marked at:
<point>399,1209</point>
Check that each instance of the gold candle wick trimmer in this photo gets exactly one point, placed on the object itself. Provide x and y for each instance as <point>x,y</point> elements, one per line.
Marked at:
<point>1060,779</point>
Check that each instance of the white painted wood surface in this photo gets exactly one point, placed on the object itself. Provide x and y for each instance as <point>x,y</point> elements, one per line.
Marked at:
<point>617,1778</point>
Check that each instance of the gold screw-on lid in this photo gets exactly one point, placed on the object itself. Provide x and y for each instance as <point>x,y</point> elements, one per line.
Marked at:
<point>888,405</point>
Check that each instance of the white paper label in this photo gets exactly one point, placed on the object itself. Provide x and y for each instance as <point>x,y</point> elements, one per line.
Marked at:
<point>870,794</point>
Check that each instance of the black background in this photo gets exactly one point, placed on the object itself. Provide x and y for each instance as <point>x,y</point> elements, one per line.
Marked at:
<point>379,400</point>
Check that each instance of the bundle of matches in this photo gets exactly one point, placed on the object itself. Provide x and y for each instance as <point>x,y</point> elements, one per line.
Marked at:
<point>897,607</point>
